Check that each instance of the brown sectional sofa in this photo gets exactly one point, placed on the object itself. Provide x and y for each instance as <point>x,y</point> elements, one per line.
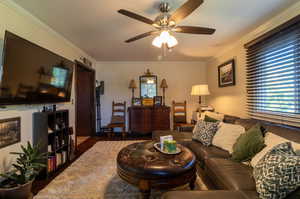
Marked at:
<point>227,179</point>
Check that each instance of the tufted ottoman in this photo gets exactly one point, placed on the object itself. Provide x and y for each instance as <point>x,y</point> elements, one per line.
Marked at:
<point>140,164</point>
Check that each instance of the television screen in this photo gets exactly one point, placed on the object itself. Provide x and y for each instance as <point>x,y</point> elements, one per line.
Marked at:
<point>31,74</point>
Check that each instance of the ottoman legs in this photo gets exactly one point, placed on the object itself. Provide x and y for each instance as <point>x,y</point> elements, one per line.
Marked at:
<point>145,189</point>
<point>192,183</point>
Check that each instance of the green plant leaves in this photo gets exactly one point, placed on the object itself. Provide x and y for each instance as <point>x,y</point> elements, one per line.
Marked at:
<point>27,166</point>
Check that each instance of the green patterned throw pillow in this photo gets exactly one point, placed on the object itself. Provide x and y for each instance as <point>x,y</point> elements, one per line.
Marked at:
<point>248,144</point>
<point>277,174</point>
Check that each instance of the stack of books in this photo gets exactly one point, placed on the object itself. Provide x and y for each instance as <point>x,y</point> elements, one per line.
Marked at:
<point>57,160</point>
<point>51,163</point>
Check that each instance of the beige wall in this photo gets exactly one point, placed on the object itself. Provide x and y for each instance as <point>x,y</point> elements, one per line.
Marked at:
<point>18,21</point>
<point>180,77</point>
<point>232,100</point>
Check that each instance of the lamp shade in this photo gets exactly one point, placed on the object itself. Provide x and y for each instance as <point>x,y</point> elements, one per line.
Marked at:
<point>132,84</point>
<point>164,84</point>
<point>200,90</point>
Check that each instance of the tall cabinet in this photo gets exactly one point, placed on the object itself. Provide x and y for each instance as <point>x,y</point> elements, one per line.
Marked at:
<point>144,119</point>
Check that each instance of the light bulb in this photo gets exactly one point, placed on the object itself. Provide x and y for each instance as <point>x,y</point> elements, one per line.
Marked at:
<point>157,42</point>
<point>150,81</point>
<point>164,36</point>
<point>172,41</point>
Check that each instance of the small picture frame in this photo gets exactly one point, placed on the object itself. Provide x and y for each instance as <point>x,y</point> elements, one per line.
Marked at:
<point>226,74</point>
<point>157,100</point>
<point>136,102</point>
<point>148,101</point>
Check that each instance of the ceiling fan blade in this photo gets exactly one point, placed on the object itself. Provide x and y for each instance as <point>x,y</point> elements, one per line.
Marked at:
<point>194,30</point>
<point>141,36</point>
<point>185,10</point>
<point>136,16</point>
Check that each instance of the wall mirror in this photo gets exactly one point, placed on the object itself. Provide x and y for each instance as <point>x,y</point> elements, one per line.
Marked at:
<point>148,85</point>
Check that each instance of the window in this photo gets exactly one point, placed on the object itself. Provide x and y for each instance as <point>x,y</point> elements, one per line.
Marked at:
<point>273,77</point>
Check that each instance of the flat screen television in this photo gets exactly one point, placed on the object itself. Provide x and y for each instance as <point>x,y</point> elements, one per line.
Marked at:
<point>30,74</point>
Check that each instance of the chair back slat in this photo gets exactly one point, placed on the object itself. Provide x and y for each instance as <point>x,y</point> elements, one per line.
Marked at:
<point>118,113</point>
<point>179,112</point>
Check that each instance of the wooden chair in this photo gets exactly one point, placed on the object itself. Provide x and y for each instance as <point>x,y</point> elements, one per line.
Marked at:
<point>118,117</point>
<point>179,115</point>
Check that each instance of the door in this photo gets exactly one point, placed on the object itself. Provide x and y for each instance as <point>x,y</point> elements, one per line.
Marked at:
<point>85,100</point>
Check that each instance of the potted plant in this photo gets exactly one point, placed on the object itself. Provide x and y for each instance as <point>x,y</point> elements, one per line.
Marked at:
<point>16,184</point>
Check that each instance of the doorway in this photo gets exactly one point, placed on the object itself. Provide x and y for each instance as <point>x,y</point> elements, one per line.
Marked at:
<point>85,103</point>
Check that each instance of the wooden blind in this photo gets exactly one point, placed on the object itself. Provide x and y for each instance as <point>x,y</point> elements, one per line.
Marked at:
<point>273,77</point>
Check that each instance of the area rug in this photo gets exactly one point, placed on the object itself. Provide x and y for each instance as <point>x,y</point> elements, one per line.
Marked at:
<point>94,176</point>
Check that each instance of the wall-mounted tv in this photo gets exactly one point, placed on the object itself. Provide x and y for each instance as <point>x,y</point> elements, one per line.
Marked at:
<point>30,74</point>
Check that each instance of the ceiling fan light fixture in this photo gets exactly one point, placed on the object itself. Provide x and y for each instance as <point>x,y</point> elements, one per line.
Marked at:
<point>157,42</point>
<point>172,41</point>
<point>164,36</point>
<point>172,23</point>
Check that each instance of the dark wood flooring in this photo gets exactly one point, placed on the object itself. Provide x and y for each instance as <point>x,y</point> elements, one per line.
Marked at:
<point>83,147</point>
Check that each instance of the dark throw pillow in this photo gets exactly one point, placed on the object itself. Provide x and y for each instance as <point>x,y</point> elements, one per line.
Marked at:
<point>248,144</point>
<point>205,132</point>
<point>277,174</point>
<point>210,119</point>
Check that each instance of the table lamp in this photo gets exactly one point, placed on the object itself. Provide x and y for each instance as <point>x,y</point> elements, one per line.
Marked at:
<point>164,85</point>
<point>200,90</point>
<point>132,86</point>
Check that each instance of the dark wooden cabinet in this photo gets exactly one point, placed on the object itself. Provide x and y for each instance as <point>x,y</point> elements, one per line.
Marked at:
<point>143,119</point>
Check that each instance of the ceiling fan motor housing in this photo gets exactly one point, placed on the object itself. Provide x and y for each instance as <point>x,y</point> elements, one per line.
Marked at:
<point>163,19</point>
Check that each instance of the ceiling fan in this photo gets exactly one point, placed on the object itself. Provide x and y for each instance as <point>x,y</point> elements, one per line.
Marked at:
<point>166,23</point>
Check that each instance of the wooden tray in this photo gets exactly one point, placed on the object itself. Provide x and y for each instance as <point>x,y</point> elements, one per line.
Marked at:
<point>157,146</point>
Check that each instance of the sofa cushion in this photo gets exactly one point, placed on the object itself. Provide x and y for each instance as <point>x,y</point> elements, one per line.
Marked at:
<point>209,195</point>
<point>202,152</point>
<point>230,119</point>
<point>229,175</point>
<point>287,132</point>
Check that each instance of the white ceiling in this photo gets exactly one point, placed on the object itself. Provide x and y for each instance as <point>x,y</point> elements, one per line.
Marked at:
<point>97,28</point>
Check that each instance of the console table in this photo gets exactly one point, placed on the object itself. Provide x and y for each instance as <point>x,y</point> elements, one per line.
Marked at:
<point>144,119</point>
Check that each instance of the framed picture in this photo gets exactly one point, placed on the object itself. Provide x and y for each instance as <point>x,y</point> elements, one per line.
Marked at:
<point>226,74</point>
<point>10,131</point>
<point>157,100</point>
<point>136,102</point>
<point>147,101</point>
